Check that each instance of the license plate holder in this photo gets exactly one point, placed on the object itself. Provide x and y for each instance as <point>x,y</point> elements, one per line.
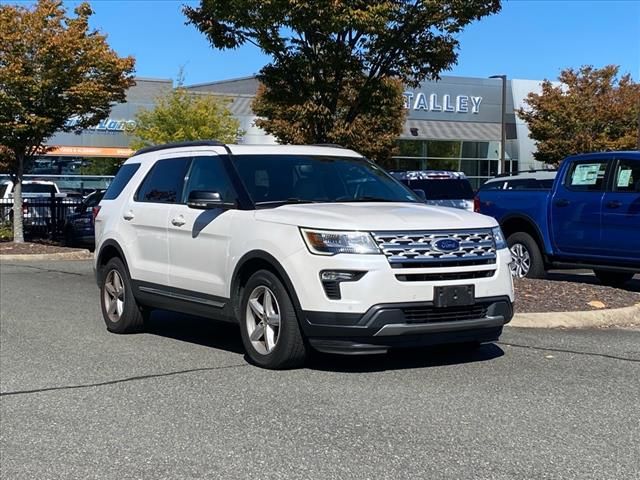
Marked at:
<point>454,296</point>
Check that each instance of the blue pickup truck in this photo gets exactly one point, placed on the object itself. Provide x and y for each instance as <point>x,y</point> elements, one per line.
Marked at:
<point>590,218</point>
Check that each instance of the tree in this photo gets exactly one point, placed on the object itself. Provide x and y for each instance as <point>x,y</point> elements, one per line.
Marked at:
<point>184,115</point>
<point>53,67</point>
<point>590,110</point>
<point>337,67</point>
<point>101,166</point>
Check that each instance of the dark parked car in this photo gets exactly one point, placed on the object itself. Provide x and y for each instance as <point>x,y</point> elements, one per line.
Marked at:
<point>441,188</point>
<point>79,226</point>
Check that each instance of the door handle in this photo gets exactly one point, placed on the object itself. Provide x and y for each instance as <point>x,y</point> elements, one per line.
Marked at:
<point>178,221</point>
<point>613,204</point>
<point>128,215</point>
<point>561,203</point>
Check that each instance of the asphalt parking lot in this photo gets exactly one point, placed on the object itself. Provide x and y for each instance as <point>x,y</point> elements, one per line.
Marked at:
<point>181,401</point>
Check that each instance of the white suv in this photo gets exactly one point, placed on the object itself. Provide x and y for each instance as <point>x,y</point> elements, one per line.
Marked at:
<point>303,246</point>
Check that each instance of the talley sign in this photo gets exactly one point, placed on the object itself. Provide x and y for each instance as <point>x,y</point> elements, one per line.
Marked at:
<point>441,103</point>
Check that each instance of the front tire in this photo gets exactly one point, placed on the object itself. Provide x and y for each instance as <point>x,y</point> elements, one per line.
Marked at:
<point>120,311</point>
<point>269,325</point>
<point>526,257</point>
<point>613,279</point>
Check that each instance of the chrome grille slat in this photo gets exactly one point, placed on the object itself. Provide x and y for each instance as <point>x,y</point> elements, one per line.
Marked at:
<point>407,248</point>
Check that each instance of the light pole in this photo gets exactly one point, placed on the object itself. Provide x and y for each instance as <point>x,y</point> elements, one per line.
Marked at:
<point>503,130</point>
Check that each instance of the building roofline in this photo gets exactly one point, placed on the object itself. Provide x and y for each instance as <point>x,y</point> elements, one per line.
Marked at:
<point>230,80</point>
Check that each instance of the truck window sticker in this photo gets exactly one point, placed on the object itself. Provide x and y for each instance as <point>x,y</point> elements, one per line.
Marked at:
<point>587,174</point>
<point>624,178</point>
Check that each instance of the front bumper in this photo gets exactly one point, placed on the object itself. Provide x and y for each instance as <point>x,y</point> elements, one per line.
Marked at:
<point>414,324</point>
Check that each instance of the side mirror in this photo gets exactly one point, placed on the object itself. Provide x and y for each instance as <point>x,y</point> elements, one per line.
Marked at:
<point>419,192</point>
<point>204,200</point>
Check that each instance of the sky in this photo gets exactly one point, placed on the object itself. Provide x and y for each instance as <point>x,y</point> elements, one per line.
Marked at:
<point>528,39</point>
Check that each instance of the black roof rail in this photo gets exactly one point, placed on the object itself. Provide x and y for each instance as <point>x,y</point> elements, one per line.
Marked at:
<point>190,143</point>
<point>331,145</point>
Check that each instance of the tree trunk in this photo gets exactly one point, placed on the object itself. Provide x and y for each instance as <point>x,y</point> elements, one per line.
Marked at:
<point>18,231</point>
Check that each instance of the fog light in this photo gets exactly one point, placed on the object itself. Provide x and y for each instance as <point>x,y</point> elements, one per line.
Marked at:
<point>334,276</point>
<point>331,281</point>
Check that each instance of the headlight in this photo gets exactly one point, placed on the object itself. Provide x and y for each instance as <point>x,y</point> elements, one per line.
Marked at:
<point>498,237</point>
<point>327,242</point>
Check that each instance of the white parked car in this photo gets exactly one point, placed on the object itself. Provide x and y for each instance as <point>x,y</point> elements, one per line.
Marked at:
<point>441,188</point>
<point>303,246</point>
<point>34,211</point>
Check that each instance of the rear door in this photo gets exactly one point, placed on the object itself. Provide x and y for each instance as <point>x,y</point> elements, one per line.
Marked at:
<point>576,208</point>
<point>621,211</point>
<point>148,214</point>
<point>199,239</point>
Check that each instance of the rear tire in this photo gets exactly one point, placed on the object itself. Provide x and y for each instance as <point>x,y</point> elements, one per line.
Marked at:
<point>120,311</point>
<point>527,261</point>
<point>269,324</point>
<point>613,279</point>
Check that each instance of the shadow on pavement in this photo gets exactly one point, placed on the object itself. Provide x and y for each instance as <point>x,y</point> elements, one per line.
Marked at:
<point>226,336</point>
<point>403,359</point>
<point>585,276</point>
<point>197,330</point>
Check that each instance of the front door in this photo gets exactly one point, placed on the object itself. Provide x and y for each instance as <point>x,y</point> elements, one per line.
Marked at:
<point>199,239</point>
<point>621,212</point>
<point>576,208</point>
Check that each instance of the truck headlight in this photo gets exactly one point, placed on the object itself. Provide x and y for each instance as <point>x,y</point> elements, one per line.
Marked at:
<point>498,238</point>
<point>328,242</point>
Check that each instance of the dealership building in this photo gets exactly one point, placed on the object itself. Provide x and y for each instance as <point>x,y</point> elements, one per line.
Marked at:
<point>452,124</point>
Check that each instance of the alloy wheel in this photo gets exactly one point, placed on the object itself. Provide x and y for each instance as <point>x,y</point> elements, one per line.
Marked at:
<point>263,319</point>
<point>113,296</point>
<point>521,260</point>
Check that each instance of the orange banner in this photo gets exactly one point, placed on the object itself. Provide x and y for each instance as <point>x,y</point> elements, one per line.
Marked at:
<point>90,151</point>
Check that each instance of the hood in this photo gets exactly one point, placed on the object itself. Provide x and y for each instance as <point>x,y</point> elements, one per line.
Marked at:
<point>374,216</point>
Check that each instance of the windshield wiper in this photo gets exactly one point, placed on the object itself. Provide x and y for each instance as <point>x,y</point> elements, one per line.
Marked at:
<point>288,201</point>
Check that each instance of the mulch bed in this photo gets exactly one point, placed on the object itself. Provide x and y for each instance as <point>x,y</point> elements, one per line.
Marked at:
<point>562,296</point>
<point>29,248</point>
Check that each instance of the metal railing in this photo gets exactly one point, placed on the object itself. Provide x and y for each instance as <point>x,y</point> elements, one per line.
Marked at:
<point>43,217</point>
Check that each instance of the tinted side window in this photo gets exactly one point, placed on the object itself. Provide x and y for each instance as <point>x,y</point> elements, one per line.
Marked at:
<point>627,178</point>
<point>492,186</point>
<point>208,174</point>
<point>164,182</point>
<point>121,180</point>
<point>587,176</point>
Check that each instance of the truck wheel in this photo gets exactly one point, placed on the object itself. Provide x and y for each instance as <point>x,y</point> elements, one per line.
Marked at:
<point>613,279</point>
<point>269,325</point>
<point>527,259</point>
<point>120,310</point>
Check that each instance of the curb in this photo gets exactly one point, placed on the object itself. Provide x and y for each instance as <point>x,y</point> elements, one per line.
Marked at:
<point>617,317</point>
<point>75,255</point>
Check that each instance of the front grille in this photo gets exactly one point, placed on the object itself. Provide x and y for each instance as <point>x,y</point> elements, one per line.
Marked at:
<point>448,314</point>
<point>429,277</point>
<point>419,249</point>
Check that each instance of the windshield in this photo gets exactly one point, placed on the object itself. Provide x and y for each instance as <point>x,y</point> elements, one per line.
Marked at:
<point>274,179</point>
<point>444,189</point>
<point>38,188</point>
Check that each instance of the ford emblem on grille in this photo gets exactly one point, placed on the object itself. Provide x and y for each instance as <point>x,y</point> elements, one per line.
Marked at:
<point>447,245</point>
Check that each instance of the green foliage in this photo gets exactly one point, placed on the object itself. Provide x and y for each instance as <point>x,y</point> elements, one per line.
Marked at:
<point>101,166</point>
<point>183,115</point>
<point>338,67</point>
<point>53,67</point>
<point>591,110</point>
<point>6,232</point>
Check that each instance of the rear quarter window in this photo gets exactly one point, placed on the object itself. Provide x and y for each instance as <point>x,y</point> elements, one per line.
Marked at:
<point>121,180</point>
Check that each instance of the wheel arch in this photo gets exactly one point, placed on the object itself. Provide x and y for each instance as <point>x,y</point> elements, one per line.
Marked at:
<point>250,263</point>
<point>108,250</point>
<point>522,223</point>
